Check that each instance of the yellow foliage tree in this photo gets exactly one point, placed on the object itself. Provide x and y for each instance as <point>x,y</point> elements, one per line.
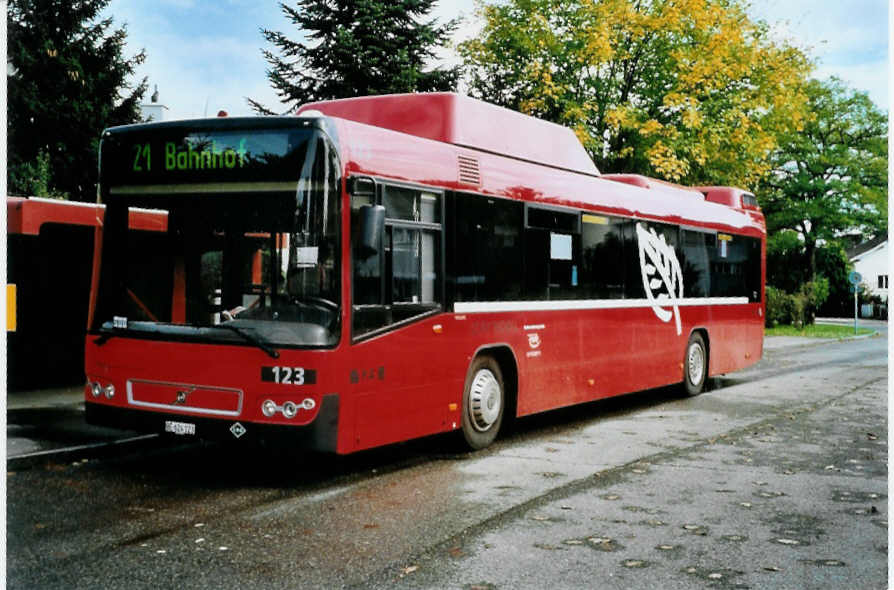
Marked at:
<point>691,91</point>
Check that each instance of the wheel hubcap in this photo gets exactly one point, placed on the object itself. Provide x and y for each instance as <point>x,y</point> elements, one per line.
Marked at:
<point>484,400</point>
<point>696,363</point>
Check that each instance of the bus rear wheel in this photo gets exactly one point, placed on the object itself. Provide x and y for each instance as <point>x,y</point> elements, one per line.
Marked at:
<point>695,365</point>
<point>484,400</point>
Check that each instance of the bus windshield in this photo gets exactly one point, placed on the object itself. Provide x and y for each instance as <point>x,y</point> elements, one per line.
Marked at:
<point>253,262</point>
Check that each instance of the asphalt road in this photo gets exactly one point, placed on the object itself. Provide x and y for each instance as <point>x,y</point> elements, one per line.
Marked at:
<point>775,478</point>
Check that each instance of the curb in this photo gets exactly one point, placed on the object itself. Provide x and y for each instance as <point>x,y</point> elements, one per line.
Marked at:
<point>85,451</point>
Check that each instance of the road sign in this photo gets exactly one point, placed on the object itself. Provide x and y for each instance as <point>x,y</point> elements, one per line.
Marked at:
<point>854,277</point>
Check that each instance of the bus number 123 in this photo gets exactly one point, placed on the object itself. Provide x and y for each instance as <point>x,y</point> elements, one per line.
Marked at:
<point>289,375</point>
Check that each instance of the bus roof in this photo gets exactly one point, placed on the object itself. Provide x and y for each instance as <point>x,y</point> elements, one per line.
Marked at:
<point>384,153</point>
<point>459,120</point>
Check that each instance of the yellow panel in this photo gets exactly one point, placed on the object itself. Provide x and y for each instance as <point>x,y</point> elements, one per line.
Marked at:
<point>10,308</point>
<point>597,219</point>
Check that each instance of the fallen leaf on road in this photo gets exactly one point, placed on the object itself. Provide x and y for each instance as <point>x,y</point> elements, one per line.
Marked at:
<point>410,569</point>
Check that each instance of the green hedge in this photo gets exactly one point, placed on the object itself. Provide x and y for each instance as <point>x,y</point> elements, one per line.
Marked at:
<point>796,309</point>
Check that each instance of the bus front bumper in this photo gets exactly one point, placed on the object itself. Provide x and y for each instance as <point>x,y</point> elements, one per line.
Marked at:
<point>319,435</point>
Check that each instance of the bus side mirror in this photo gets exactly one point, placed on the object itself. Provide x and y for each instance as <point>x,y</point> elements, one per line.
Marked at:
<point>372,227</point>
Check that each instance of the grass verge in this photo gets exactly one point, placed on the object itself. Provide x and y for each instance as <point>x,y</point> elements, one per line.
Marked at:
<point>817,331</point>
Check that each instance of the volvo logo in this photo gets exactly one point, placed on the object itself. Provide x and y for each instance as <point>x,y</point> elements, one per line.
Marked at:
<point>182,394</point>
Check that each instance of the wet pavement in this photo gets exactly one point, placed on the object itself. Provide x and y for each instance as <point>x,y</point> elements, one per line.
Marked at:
<point>798,500</point>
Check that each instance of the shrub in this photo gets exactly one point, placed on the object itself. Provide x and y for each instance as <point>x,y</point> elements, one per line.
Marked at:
<point>795,309</point>
<point>776,302</point>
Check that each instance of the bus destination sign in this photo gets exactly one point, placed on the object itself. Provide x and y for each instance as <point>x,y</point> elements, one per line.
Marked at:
<point>196,155</point>
<point>161,156</point>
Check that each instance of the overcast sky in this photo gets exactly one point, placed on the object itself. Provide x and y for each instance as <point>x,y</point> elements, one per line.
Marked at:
<point>205,56</point>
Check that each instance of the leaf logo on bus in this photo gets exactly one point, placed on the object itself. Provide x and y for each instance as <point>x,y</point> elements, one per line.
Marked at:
<point>662,277</point>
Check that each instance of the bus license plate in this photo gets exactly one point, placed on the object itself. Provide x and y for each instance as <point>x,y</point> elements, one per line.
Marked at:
<point>180,428</point>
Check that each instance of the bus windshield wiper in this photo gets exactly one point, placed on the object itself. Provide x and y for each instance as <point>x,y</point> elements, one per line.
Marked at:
<point>253,338</point>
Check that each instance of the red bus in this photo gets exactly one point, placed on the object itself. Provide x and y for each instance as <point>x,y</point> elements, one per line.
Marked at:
<point>384,268</point>
<point>50,261</point>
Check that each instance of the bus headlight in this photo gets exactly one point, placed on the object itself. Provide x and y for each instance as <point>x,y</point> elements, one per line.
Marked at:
<point>269,408</point>
<point>289,409</point>
<point>95,389</point>
<point>108,391</point>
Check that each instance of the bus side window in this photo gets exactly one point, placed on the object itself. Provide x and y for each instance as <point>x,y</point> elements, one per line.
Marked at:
<point>602,260</point>
<point>552,254</point>
<point>403,280</point>
<point>488,256</point>
<point>694,264</point>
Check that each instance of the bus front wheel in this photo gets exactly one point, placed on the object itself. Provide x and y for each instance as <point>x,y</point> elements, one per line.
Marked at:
<point>484,399</point>
<point>695,365</point>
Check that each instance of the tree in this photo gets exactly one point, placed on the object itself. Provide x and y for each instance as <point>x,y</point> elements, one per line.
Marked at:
<point>356,48</point>
<point>689,90</point>
<point>831,177</point>
<point>69,80</point>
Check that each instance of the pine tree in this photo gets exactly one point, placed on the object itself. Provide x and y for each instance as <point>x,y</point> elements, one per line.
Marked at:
<point>356,48</point>
<point>68,80</point>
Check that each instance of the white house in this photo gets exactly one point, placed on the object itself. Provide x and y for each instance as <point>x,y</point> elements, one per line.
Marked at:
<point>870,259</point>
<point>154,111</point>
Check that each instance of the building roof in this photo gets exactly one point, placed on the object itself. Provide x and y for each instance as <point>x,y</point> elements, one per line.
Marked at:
<point>865,247</point>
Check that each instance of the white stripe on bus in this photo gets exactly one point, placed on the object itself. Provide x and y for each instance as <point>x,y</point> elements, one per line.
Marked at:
<point>581,304</point>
